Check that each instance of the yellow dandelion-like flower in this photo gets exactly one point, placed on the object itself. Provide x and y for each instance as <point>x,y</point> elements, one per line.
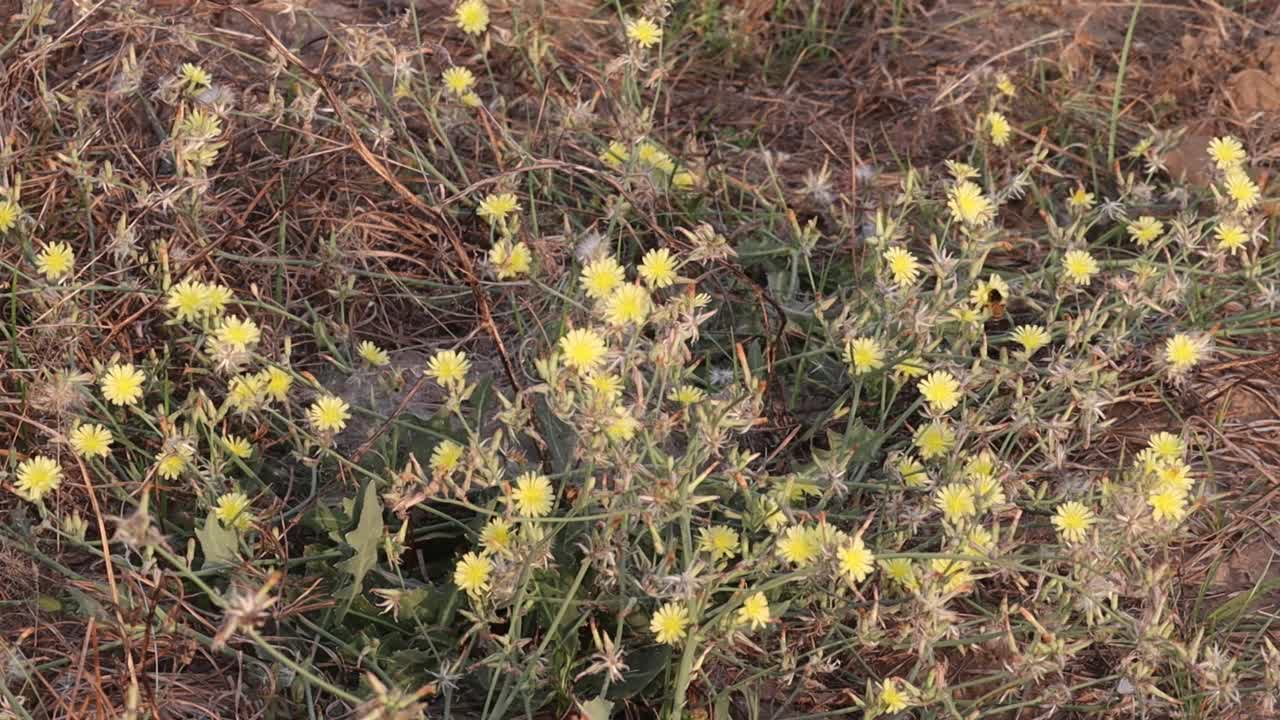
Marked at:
<point>961,170</point>
<point>55,260</point>
<point>1241,189</point>
<point>980,541</point>
<point>1182,352</point>
<point>373,354</point>
<point>90,440</point>
<point>968,205</point>
<point>471,100</point>
<point>472,16</point>
<point>623,426</point>
<point>186,300</point>
<point>912,472</point>
<point>1079,267</point>
<point>1080,199</point>
<point>1231,237</point>
<point>237,332</point>
<point>683,180</point>
<point>445,457</point>
<point>583,349</point>
<point>1227,153</point>
<point>471,574</point>
<point>954,573</point>
<point>1167,504</point>
<point>170,464</point>
<point>987,491</point>
<point>856,560</point>
<point>934,440</point>
<point>669,622</point>
<point>863,355</point>
<point>615,155</point>
<point>215,299</point>
<point>1176,476</point>
<point>277,382</point>
<point>606,385</point>
<point>658,268</point>
<point>238,446</point>
<point>497,536</point>
<point>909,369</point>
<point>449,368</point>
<point>532,495</point>
<point>754,611</point>
<point>1145,229</point>
<point>1073,520</point>
<point>122,384</point>
<point>244,392</point>
<point>1031,337</point>
<point>510,260</point>
<point>955,501</point>
<point>627,305</point>
<point>644,32</point>
<point>496,208</point>
<point>686,394</point>
<point>718,541</point>
<point>891,698</point>
<point>1167,446</point>
<point>901,571</point>
<point>194,77</point>
<point>601,277</point>
<point>233,511</point>
<point>37,477</point>
<point>329,414</point>
<point>458,80</point>
<point>941,391</point>
<point>799,546</point>
<point>9,214</point>
<point>1000,129</point>
<point>647,153</point>
<point>902,265</point>
<point>1005,85</point>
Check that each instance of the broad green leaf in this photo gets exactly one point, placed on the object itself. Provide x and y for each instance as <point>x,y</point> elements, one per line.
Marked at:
<point>220,545</point>
<point>364,540</point>
<point>598,709</point>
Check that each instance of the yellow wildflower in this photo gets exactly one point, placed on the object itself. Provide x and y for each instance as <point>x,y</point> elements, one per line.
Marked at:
<point>122,384</point>
<point>669,622</point>
<point>658,268</point>
<point>90,440</point>
<point>329,413</point>
<point>532,495</point>
<point>37,477</point>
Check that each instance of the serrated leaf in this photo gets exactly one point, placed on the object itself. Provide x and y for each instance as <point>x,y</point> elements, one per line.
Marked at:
<point>364,540</point>
<point>220,545</point>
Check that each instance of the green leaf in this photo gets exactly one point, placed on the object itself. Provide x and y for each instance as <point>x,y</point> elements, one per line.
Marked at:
<point>598,709</point>
<point>220,545</point>
<point>364,540</point>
